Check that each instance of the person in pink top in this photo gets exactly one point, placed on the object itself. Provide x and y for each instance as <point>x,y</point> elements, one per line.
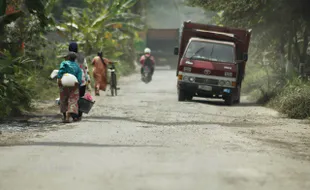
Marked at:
<point>147,60</point>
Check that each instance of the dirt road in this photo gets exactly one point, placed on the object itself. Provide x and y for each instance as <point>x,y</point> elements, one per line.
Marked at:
<point>145,140</point>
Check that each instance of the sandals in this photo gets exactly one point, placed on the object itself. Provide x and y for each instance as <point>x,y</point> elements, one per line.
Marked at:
<point>66,118</point>
<point>77,119</point>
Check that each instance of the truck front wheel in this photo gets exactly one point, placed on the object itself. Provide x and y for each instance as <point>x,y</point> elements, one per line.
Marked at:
<point>229,100</point>
<point>237,101</point>
<point>189,97</point>
<point>181,96</point>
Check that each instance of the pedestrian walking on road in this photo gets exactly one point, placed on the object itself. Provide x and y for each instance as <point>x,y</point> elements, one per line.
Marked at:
<point>100,73</point>
<point>81,61</point>
<point>69,96</point>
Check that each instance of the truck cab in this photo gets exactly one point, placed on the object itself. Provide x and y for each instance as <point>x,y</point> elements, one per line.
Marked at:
<point>211,62</point>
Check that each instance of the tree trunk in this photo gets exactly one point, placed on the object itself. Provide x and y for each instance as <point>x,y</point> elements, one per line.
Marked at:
<point>305,45</point>
<point>296,45</point>
<point>289,48</point>
<point>281,52</point>
<point>2,12</point>
<point>289,60</point>
<point>303,55</point>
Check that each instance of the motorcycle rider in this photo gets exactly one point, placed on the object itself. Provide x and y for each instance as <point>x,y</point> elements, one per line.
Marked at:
<point>147,60</point>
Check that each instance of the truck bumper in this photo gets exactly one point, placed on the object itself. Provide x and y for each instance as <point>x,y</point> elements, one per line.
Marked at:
<point>198,90</point>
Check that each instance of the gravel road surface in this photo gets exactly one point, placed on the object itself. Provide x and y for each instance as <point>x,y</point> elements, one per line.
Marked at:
<point>144,139</point>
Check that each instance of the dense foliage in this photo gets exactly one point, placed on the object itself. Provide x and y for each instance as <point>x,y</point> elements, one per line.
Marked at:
<point>35,32</point>
<point>107,26</point>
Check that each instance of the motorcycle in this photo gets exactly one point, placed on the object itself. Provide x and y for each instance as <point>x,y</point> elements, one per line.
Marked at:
<point>146,74</point>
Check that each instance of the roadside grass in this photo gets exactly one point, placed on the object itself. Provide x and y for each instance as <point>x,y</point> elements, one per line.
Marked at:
<point>289,95</point>
<point>262,84</point>
<point>293,100</point>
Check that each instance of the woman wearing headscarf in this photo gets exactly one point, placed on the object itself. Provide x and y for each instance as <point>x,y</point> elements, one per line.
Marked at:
<point>69,96</point>
<point>100,73</point>
<point>73,47</point>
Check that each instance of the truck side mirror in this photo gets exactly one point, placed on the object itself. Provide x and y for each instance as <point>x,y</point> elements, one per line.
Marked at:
<point>245,57</point>
<point>176,51</point>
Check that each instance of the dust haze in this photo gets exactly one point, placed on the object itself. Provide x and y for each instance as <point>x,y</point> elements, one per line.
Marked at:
<point>171,13</point>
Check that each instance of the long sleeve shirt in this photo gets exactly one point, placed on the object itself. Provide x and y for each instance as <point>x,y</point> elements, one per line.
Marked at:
<point>71,68</point>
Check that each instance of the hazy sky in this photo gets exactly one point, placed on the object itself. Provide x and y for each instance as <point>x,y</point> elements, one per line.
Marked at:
<point>167,14</point>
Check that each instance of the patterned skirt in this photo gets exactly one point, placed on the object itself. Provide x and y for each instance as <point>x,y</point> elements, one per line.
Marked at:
<point>69,97</point>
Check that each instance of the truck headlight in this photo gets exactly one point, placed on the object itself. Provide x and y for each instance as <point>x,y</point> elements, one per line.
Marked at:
<point>191,79</point>
<point>221,83</point>
<point>228,83</point>
<point>185,78</point>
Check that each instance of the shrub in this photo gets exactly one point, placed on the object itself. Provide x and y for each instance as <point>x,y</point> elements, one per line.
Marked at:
<point>294,100</point>
<point>262,83</point>
<point>14,96</point>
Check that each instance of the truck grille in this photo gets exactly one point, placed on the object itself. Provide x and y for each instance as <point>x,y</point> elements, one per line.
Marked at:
<point>206,81</point>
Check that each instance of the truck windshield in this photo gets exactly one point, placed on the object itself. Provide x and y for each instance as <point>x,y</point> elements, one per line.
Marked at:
<point>210,51</point>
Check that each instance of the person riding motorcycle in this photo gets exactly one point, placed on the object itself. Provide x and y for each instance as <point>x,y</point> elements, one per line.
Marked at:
<point>147,60</point>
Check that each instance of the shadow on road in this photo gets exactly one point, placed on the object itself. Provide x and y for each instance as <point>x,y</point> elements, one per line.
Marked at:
<point>99,119</point>
<point>111,118</point>
<point>78,144</point>
<point>297,150</point>
<point>243,124</point>
<point>222,103</point>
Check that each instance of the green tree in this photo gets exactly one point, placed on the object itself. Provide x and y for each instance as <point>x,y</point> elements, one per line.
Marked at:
<point>106,25</point>
<point>21,78</point>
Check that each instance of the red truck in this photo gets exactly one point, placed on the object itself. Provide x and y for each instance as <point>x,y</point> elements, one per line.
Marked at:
<point>161,41</point>
<point>211,62</point>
